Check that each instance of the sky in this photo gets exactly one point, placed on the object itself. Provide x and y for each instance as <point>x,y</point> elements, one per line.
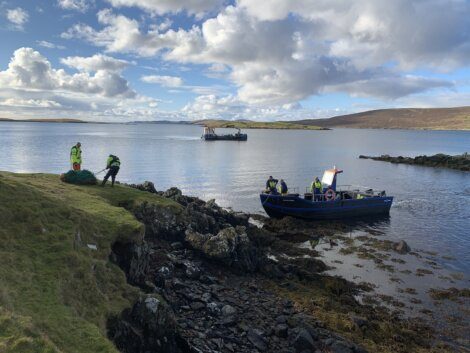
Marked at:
<point>130,60</point>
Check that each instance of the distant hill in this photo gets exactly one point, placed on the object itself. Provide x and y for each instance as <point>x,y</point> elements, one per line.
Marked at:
<point>412,118</point>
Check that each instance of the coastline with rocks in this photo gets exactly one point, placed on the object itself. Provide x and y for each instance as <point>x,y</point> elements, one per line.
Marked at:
<point>201,278</point>
<point>440,160</point>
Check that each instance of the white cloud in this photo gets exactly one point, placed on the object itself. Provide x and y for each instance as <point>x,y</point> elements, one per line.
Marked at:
<point>31,87</point>
<point>160,7</point>
<point>231,108</point>
<point>391,87</point>
<point>18,17</point>
<point>76,5</point>
<point>29,103</point>
<point>95,63</point>
<point>122,34</point>
<point>165,81</point>
<point>49,45</point>
<point>274,58</point>
<point>28,69</point>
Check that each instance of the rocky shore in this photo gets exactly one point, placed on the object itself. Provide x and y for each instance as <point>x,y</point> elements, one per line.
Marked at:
<point>133,269</point>
<point>459,162</point>
<point>216,281</point>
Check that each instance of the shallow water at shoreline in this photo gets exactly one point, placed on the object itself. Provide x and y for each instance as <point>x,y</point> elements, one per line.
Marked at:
<point>431,210</point>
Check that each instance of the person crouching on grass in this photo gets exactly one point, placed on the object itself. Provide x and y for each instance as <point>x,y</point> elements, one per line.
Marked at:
<point>112,164</point>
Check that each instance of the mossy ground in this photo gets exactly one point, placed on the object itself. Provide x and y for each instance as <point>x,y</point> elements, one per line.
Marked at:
<point>55,292</point>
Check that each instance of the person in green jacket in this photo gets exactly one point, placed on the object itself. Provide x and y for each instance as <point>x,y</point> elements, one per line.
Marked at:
<point>112,164</point>
<point>76,156</point>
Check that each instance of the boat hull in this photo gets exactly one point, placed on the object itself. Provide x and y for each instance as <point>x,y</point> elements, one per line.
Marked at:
<point>278,206</point>
<point>241,137</point>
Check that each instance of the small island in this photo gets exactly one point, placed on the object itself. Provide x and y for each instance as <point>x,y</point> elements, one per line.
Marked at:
<point>246,124</point>
<point>440,160</point>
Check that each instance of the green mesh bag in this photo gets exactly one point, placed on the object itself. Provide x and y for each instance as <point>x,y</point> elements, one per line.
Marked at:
<point>80,177</point>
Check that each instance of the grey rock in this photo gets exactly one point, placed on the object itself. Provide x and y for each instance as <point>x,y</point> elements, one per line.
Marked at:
<point>304,341</point>
<point>197,305</point>
<point>256,338</point>
<point>341,347</point>
<point>213,308</point>
<point>176,245</point>
<point>150,326</point>
<point>401,247</point>
<point>281,319</point>
<point>192,271</point>
<point>281,330</point>
<point>206,297</point>
<point>228,310</point>
<point>230,246</point>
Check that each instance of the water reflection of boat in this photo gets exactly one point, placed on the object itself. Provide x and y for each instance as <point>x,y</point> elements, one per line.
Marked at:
<point>333,204</point>
<point>210,135</point>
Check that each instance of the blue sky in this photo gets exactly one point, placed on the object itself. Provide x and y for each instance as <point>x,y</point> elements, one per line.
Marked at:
<point>121,60</point>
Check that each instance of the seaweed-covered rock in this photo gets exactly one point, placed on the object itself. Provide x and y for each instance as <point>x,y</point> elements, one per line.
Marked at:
<point>79,177</point>
<point>459,162</point>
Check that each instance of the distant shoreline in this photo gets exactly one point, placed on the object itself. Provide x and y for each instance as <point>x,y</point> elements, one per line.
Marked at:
<point>66,121</point>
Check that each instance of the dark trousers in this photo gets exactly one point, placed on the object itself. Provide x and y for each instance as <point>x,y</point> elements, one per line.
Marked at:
<point>112,172</point>
<point>317,195</point>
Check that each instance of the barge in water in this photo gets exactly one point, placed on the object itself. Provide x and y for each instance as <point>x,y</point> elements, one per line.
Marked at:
<point>330,204</point>
<point>210,135</point>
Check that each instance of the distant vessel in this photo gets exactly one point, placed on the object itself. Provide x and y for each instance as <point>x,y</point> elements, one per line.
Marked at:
<point>210,135</point>
<point>331,204</point>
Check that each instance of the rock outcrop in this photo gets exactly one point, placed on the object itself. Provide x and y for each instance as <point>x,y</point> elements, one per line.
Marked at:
<point>149,326</point>
<point>231,246</point>
<point>203,267</point>
<point>459,162</point>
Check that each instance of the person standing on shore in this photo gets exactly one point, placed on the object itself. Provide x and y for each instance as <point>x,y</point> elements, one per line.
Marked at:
<point>76,156</point>
<point>112,164</point>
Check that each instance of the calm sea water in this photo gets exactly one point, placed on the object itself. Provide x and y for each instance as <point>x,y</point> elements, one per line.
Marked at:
<point>431,210</point>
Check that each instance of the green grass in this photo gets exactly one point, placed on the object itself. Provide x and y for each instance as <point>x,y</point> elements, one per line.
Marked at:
<point>260,125</point>
<point>56,293</point>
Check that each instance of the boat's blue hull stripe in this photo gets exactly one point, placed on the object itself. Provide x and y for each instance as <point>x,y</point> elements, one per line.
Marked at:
<point>333,208</point>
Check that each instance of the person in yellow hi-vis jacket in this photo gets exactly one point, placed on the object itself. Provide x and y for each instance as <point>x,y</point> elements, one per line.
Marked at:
<point>112,164</point>
<point>76,156</point>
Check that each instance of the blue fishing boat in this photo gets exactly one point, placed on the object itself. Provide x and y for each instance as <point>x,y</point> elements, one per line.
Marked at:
<point>330,204</point>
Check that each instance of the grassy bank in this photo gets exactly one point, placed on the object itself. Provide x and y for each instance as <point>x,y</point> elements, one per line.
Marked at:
<point>56,290</point>
<point>258,125</point>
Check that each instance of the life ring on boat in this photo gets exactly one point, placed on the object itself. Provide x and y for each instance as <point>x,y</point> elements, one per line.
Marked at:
<point>330,195</point>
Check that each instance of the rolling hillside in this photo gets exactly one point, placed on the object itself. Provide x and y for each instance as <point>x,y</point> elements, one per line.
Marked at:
<point>412,118</point>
